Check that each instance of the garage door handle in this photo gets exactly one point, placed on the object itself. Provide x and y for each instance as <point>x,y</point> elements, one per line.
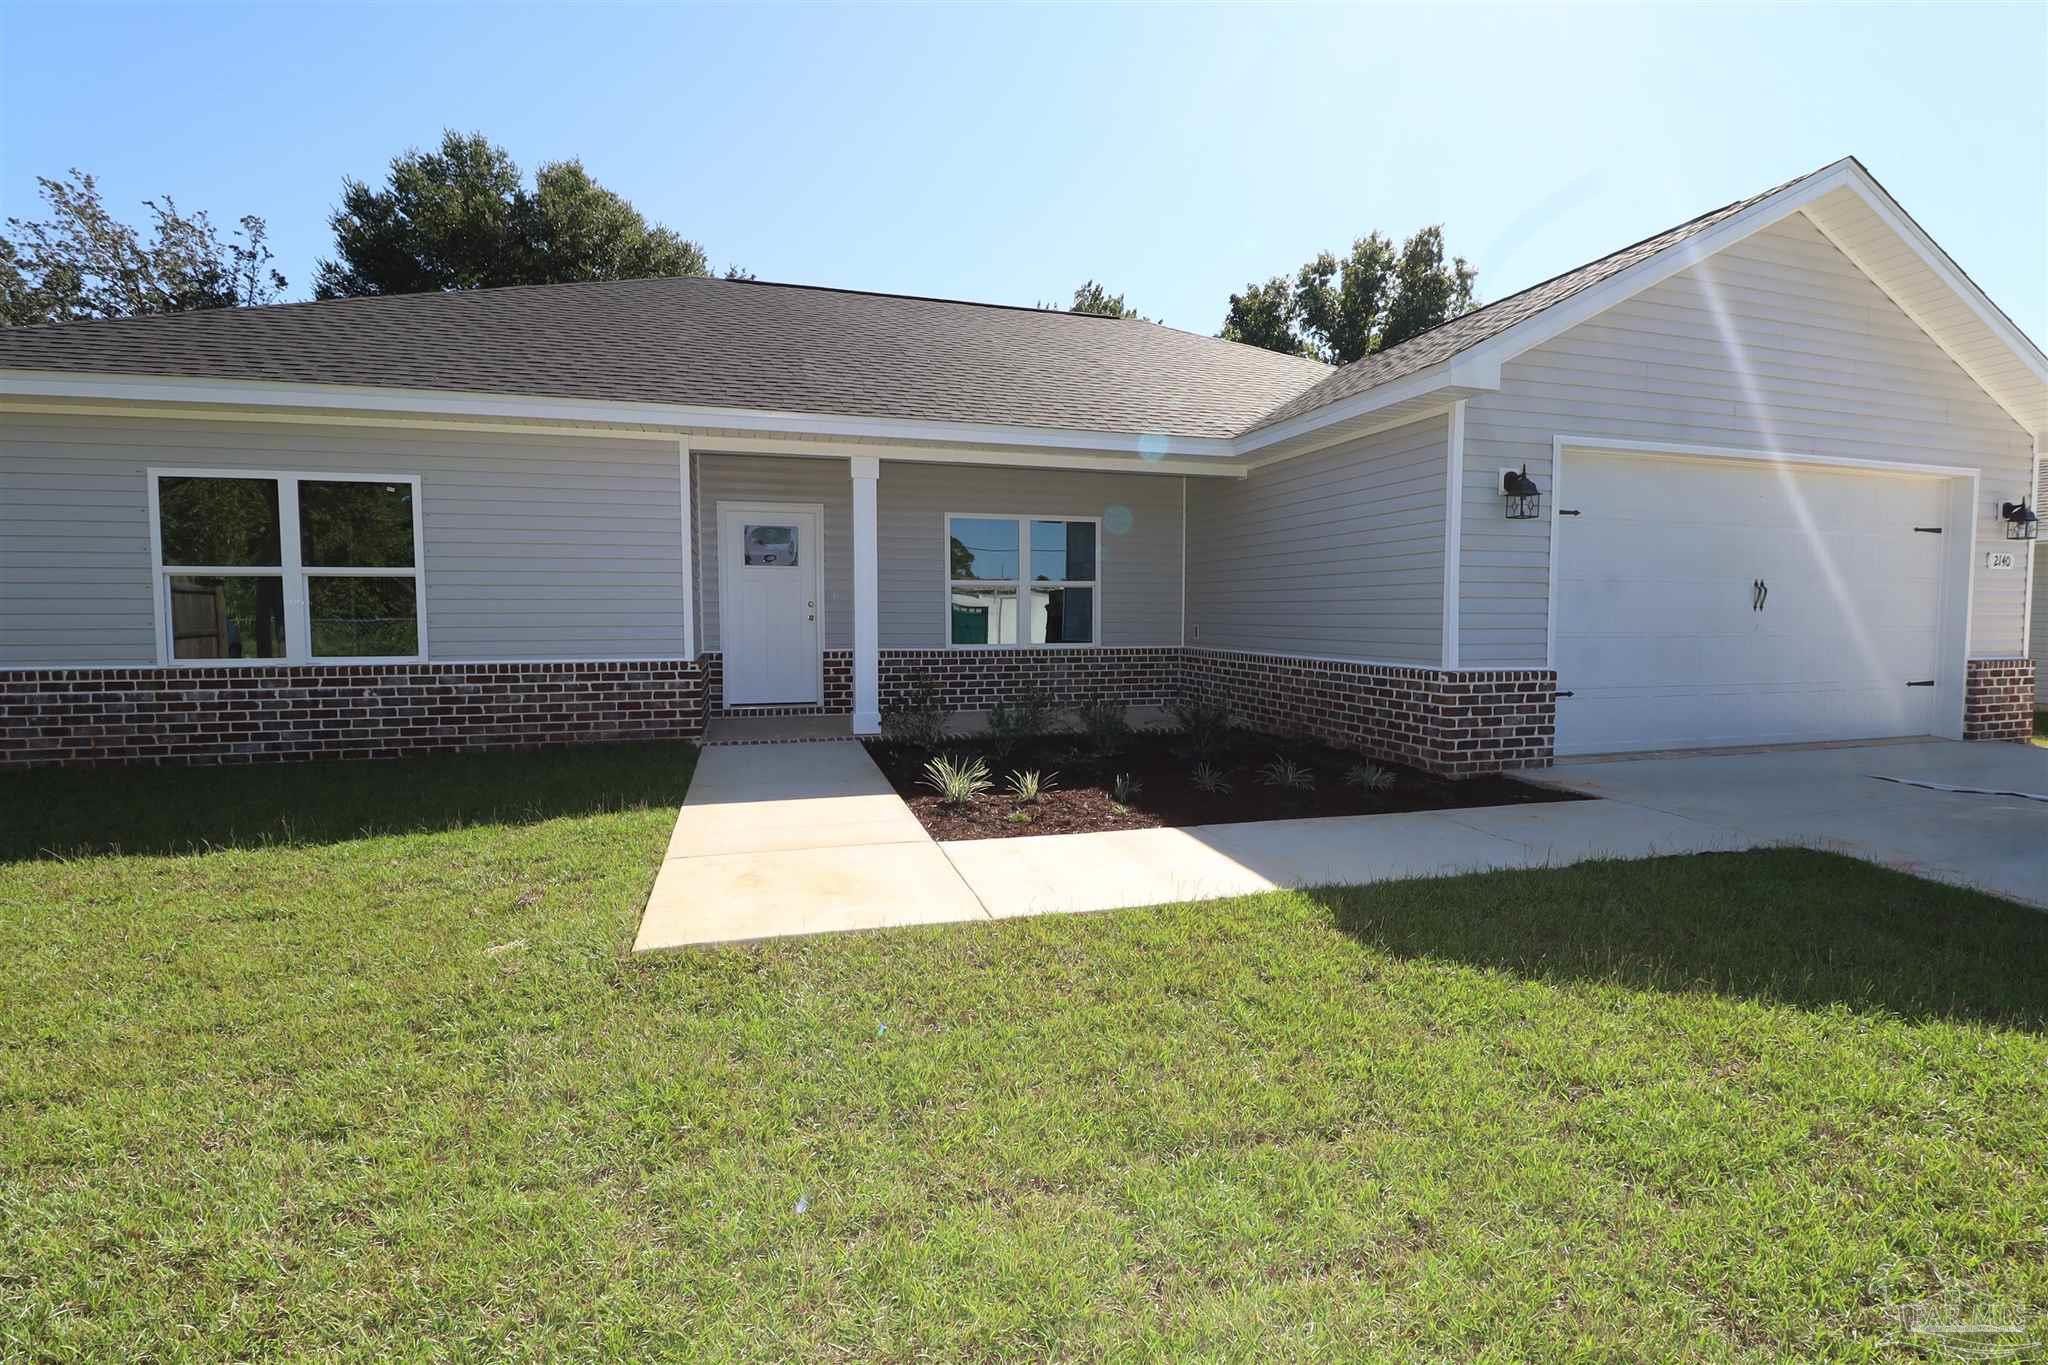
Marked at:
<point>1925,682</point>
<point>1759,593</point>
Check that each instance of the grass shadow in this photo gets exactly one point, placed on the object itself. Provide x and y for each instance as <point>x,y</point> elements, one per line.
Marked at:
<point>74,812</point>
<point>1788,926</point>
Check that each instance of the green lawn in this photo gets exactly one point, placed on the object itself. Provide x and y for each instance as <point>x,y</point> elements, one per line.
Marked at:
<point>322,1092</point>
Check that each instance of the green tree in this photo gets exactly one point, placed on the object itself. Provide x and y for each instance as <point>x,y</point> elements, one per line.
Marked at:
<point>81,262</point>
<point>1263,315</point>
<point>460,218</point>
<point>1341,309</point>
<point>1096,299</point>
<point>1339,305</point>
<point>1427,292</point>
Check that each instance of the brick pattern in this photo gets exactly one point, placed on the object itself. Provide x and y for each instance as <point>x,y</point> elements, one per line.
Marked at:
<point>92,716</point>
<point>1457,724</point>
<point>976,679</point>
<point>838,689</point>
<point>1998,699</point>
<point>1454,724</point>
<point>1490,721</point>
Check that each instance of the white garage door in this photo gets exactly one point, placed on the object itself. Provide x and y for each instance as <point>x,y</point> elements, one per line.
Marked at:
<point>1705,602</point>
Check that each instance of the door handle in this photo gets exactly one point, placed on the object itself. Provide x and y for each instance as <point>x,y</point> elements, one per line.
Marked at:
<point>1759,593</point>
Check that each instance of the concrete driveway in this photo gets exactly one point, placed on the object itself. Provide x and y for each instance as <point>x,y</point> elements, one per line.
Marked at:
<point>1837,799</point>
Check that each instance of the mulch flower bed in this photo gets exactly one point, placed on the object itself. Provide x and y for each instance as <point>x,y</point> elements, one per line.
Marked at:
<point>1162,764</point>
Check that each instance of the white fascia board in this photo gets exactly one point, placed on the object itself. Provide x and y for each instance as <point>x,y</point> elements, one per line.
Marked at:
<point>1206,467</point>
<point>1460,371</point>
<point>372,399</point>
<point>1934,258</point>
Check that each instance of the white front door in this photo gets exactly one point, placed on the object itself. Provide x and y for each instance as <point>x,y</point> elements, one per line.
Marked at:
<point>769,576</point>
<point>1709,602</point>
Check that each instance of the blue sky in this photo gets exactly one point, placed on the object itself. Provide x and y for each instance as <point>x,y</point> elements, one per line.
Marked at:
<point>1006,154</point>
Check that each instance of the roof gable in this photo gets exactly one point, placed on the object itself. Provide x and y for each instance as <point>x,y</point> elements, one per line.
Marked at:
<point>1844,202</point>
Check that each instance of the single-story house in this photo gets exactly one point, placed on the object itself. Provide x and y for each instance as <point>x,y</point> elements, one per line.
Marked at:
<point>1746,481</point>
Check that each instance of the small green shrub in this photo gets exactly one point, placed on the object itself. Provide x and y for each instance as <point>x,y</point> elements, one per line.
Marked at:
<point>956,778</point>
<point>1125,788</point>
<point>1029,785</point>
<point>1021,817</point>
<point>1204,725</point>
<point>1285,772</point>
<point>1022,717</point>
<point>1107,724</point>
<point>1210,779</point>
<point>1369,777</point>
<point>921,720</point>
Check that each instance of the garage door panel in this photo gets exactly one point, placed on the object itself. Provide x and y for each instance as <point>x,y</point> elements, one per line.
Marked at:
<point>1661,644</point>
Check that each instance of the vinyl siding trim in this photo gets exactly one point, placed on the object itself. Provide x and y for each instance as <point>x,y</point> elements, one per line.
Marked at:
<point>1694,364</point>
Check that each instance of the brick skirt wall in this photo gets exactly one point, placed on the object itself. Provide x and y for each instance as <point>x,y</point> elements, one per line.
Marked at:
<point>1458,724</point>
<point>976,679</point>
<point>838,689</point>
<point>1998,699</point>
<point>1454,724</point>
<point>88,716</point>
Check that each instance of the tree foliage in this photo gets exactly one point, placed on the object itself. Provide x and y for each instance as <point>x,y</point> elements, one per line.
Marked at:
<point>461,218</point>
<point>1341,309</point>
<point>82,263</point>
<point>1096,299</point>
<point>1263,315</point>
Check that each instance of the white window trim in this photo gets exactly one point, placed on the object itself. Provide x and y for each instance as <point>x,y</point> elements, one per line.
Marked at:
<point>1022,582</point>
<point>297,619</point>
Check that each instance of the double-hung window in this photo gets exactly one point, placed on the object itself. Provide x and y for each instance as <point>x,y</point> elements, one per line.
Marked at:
<point>290,568</point>
<point>1022,580</point>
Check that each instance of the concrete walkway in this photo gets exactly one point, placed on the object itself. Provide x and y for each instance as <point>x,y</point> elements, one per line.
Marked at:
<point>1059,873</point>
<point>779,839</point>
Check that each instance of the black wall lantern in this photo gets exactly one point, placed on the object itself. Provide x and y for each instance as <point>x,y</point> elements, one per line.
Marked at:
<point>2021,521</point>
<point>1523,501</point>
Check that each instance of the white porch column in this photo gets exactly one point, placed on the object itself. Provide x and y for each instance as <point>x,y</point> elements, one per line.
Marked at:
<point>689,554</point>
<point>867,702</point>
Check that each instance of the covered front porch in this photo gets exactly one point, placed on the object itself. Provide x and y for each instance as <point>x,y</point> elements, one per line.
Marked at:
<point>830,583</point>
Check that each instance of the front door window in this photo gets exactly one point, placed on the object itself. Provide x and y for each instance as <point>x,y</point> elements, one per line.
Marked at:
<point>771,546</point>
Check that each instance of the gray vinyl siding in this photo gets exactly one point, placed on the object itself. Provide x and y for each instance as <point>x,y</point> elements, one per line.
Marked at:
<point>1778,342</point>
<point>1140,568</point>
<point>2038,640</point>
<point>1338,554</point>
<point>779,478</point>
<point>535,547</point>
<point>1140,553</point>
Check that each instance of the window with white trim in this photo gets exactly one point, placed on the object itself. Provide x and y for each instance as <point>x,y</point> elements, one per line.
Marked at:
<point>289,568</point>
<point>1021,580</point>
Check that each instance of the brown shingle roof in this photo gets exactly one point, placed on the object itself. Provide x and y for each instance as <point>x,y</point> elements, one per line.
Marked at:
<point>717,343</point>
<point>1442,342</point>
